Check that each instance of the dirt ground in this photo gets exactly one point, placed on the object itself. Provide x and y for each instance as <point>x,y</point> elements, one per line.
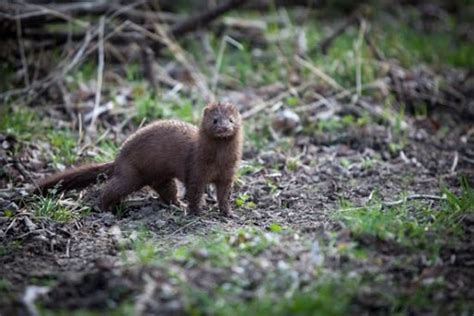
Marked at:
<point>85,258</point>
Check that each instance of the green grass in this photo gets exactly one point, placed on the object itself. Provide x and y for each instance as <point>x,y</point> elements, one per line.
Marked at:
<point>84,74</point>
<point>278,293</point>
<point>347,53</point>
<point>329,295</point>
<point>63,144</point>
<point>247,168</point>
<point>146,250</point>
<point>124,309</point>
<point>292,164</point>
<point>9,248</point>
<point>337,125</point>
<point>413,224</point>
<point>244,200</point>
<point>5,286</point>
<point>53,208</point>
<point>257,136</point>
<point>48,281</point>
<point>411,47</point>
<point>107,151</point>
<point>19,122</point>
<point>221,248</point>
<point>27,126</point>
<point>149,108</point>
<point>132,72</point>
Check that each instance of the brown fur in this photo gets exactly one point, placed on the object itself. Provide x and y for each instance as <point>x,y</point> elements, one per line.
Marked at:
<point>163,151</point>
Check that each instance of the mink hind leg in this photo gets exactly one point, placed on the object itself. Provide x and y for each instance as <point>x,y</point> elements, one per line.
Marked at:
<point>194,191</point>
<point>168,191</point>
<point>116,189</point>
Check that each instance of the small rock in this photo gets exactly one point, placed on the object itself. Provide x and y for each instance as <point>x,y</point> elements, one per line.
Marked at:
<point>286,122</point>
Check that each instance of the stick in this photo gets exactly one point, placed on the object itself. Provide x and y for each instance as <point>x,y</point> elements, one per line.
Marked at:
<point>100,74</point>
<point>415,197</point>
<point>183,227</point>
<point>318,72</point>
<point>455,162</point>
<point>398,202</point>
<point>22,52</point>
<point>220,56</point>
<point>200,20</point>
<point>358,45</point>
<point>180,55</point>
<point>326,43</point>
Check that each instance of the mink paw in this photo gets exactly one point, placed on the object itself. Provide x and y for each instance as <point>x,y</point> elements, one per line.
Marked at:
<point>193,212</point>
<point>228,214</point>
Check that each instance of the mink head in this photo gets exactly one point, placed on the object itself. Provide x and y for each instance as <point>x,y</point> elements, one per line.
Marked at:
<point>221,120</point>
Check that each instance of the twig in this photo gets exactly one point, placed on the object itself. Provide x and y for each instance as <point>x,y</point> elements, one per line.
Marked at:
<point>220,56</point>
<point>324,45</point>
<point>32,292</point>
<point>147,67</point>
<point>22,52</point>
<point>68,246</point>
<point>31,232</point>
<point>264,104</point>
<point>469,160</point>
<point>39,16</point>
<point>67,102</point>
<point>64,67</point>
<point>318,72</point>
<point>61,70</point>
<point>455,162</point>
<point>358,45</point>
<point>414,197</point>
<point>397,85</point>
<point>199,20</point>
<point>92,144</point>
<point>100,74</point>
<point>19,166</point>
<point>398,202</point>
<point>80,132</point>
<point>10,226</point>
<point>184,226</point>
<point>181,57</point>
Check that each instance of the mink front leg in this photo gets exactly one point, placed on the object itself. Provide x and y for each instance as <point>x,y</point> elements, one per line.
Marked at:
<point>194,192</point>
<point>224,189</point>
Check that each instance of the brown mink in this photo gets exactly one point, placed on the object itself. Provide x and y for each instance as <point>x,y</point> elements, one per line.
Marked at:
<point>158,154</point>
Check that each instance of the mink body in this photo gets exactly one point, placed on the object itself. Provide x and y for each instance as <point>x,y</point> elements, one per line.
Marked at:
<point>164,151</point>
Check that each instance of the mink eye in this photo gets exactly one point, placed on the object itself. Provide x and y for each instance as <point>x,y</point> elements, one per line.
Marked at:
<point>215,121</point>
<point>231,120</point>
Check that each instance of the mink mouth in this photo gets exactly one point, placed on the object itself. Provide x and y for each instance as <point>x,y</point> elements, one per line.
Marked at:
<point>225,134</point>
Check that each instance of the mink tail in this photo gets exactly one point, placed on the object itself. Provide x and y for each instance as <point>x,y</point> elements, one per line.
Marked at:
<point>75,178</point>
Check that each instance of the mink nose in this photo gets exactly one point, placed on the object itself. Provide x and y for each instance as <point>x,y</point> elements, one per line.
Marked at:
<point>223,129</point>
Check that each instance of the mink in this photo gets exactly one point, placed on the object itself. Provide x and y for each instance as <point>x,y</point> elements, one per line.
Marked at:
<point>165,151</point>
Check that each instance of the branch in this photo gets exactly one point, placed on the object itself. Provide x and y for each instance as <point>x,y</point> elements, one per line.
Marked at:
<point>326,43</point>
<point>200,20</point>
<point>415,197</point>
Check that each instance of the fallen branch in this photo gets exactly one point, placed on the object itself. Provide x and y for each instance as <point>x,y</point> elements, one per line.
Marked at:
<point>326,43</point>
<point>199,20</point>
<point>100,74</point>
<point>321,74</point>
<point>398,202</point>
<point>414,197</point>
